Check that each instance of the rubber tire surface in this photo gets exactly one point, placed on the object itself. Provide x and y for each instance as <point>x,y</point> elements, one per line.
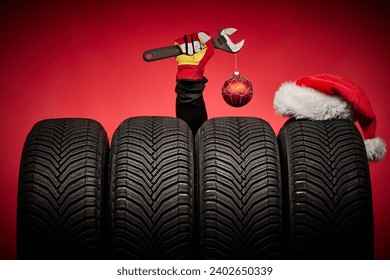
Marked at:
<point>61,189</point>
<point>327,191</point>
<point>152,189</point>
<point>239,194</point>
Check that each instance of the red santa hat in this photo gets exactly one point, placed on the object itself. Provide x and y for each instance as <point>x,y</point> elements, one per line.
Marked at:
<point>325,97</point>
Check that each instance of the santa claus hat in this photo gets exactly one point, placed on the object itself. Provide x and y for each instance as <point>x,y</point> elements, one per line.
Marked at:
<point>325,97</point>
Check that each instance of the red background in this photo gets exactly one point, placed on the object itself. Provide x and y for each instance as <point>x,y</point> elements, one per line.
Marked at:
<point>84,59</point>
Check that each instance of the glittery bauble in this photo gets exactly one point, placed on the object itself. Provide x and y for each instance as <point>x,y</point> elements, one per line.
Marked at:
<point>237,91</point>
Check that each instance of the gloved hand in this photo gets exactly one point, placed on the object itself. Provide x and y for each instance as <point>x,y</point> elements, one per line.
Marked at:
<point>197,50</point>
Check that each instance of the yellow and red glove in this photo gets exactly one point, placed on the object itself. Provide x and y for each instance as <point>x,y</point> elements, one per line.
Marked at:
<point>197,50</point>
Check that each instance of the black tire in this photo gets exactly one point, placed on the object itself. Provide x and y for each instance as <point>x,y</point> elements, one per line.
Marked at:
<point>239,195</point>
<point>151,189</point>
<point>61,189</point>
<point>327,191</point>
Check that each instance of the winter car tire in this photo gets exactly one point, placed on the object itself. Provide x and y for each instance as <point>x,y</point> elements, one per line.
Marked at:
<point>61,189</point>
<point>151,189</point>
<point>239,195</point>
<point>327,193</point>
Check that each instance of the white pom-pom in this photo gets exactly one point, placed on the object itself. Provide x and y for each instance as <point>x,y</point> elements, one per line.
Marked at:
<point>376,148</point>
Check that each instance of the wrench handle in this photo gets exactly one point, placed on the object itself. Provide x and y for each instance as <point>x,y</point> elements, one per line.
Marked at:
<point>160,53</point>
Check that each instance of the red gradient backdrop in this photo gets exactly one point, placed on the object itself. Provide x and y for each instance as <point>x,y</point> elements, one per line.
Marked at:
<point>84,59</point>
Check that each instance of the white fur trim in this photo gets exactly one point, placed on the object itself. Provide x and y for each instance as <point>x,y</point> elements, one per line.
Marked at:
<point>304,102</point>
<point>376,148</point>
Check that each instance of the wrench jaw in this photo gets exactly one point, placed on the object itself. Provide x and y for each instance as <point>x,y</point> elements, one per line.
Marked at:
<point>222,41</point>
<point>236,47</point>
<point>227,31</point>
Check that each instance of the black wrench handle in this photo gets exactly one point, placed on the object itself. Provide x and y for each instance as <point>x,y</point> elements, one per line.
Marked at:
<point>160,53</point>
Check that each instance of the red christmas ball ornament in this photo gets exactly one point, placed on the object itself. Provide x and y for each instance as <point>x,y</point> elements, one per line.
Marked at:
<point>237,91</point>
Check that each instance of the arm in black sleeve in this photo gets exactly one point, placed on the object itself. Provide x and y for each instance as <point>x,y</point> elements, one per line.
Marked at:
<point>190,105</point>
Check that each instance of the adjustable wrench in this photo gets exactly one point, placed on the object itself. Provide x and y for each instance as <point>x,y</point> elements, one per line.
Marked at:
<point>222,41</point>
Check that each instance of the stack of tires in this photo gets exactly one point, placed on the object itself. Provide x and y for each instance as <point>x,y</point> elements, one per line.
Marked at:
<point>235,192</point>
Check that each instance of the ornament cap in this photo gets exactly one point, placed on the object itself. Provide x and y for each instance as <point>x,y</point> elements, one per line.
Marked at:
<point>236,73</point>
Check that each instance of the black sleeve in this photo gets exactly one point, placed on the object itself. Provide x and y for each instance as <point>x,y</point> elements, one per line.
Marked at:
<point>190,105</point>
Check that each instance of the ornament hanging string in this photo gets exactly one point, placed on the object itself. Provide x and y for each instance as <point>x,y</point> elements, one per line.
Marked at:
<point>236,72</point>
